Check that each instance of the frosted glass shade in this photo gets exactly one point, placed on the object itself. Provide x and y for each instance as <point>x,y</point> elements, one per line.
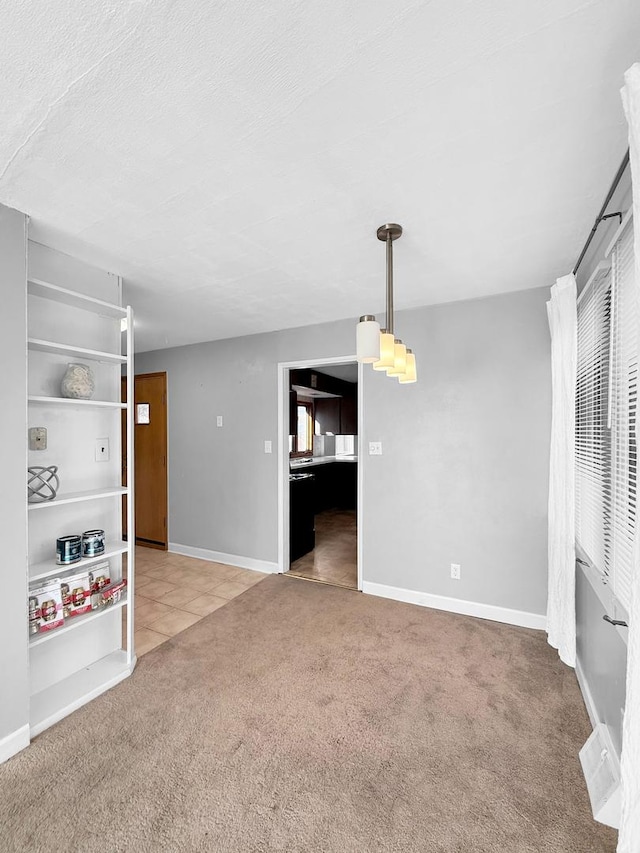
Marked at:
<point>410,374</point>
<point>387,352</point>
<point>399,359</point>
<point>367,340</point>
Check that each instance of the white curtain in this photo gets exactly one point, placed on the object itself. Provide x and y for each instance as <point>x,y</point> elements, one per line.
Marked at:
<point>561,605</point>
<point>629,836</point>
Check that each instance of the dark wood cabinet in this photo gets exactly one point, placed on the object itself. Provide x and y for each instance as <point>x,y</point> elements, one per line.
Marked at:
<point>348,416</point>
<point>337,415</point>
<point>327,415</point>
<point>336,486</point>
<point>302,503</point>
<point>293,412</point>
<point>346,485</point>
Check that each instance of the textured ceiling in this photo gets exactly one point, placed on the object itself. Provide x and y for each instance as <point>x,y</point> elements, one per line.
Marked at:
<point>232,160</point>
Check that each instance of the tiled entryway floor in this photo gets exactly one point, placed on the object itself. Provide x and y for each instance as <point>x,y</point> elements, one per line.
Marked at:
<point>174,592</point>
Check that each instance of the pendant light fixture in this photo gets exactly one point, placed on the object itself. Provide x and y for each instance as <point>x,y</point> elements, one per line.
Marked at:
<point>368,339</point>
<point>381,348</point>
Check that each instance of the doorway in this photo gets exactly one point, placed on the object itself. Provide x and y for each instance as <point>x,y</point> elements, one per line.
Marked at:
<point>150,431</point>
<point>319,484</point>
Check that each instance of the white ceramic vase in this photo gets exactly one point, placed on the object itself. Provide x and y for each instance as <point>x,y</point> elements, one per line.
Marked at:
<point>78,383</point>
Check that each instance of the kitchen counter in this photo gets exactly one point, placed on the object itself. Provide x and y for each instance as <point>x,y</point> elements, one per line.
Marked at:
<point>313,461</point>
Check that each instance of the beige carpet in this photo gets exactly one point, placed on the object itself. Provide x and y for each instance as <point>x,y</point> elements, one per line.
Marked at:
<point>304,717</point>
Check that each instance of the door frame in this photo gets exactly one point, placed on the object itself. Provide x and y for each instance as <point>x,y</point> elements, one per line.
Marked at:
<point>284,367</point>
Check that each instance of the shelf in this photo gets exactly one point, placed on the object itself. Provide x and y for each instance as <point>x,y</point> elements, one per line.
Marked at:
<point>36,287</point>
<point>49,568</point>
<point>78,497</point>
<point>75,622</point>
<point>65,401</point>
<point>63,349</point>
<point>58,701</point>
<point>95,651</point>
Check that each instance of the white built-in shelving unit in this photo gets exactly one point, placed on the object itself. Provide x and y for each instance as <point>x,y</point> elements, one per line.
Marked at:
<point>78,661</point>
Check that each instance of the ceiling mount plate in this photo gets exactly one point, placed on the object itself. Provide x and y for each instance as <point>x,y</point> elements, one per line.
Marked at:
<point>390,229</point>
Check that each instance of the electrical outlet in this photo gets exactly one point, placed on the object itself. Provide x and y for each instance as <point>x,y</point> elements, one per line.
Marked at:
<point>102,449</point>
<point>219,421</point>
<point>375,448</point>
<point>455,571</point>
<point>268,448</point>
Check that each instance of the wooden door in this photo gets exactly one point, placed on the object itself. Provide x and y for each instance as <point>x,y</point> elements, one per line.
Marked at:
<point>150,435</point>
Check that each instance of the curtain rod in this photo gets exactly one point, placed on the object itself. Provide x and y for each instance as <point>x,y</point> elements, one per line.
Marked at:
<point>602,216</point>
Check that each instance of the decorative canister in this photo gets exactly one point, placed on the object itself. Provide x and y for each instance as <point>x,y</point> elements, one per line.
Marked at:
<point>78,596</point>
<point>68,550</point>
<point>33,615</point>
<point>78,383</point>
<point>92,543</point>
<point>48,610</point>
<point>66,599</point>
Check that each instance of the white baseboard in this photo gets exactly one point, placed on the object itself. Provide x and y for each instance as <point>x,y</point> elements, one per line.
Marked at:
<point>219,557</point>
<point>458,605</point>
<point>13,743</point>
<point>586,695</point>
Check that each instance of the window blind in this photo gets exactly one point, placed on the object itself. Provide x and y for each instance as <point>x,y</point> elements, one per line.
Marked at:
<point>593,439</point>
<point>624,397</point>
<point>606,409</point>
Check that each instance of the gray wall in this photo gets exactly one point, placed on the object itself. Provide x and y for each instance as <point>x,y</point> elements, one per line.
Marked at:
<point>14,698</point>
<point>222,486</point>
<point>464,472</point>
<point>464,477</point>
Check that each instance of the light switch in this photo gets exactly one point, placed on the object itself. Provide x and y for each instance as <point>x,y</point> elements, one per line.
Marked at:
<point>219,421</point>
<point>268,447</point>
<point>375,448</point>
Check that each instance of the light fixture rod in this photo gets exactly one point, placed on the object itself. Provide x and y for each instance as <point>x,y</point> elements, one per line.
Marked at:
<point>389,284</point>
<point>389,233</point>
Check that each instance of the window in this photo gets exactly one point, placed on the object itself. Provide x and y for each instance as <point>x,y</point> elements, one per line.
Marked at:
<point>302,441</point>
<point>606,405</point>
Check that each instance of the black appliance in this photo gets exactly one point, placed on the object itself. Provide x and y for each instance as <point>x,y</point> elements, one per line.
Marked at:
<point>302,533</point>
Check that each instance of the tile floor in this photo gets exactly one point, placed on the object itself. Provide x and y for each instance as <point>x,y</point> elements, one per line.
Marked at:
<point>335,558</point>
<point>174,592</point>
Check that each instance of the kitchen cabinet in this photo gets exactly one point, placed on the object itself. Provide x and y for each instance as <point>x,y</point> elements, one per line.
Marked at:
<point>345,485</point>
<point>316,381</point>
<point>348,416</point>
<point>293,412</point>
<point>337,412</point>
<point>335,486</point>
<point>302,537</point>
<point>336,415</point>
<point>322,497</point>
<point>327,415</point>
